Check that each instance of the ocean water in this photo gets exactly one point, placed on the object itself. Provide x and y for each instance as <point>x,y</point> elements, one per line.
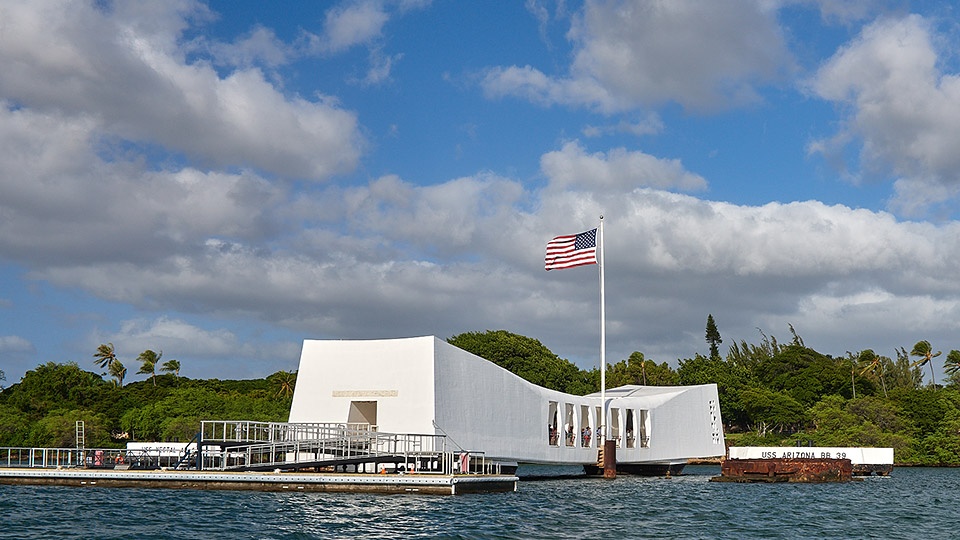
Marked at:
<point>911,503</point>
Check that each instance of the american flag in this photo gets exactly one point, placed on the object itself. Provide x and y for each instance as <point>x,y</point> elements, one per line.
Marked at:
<point>572,250</point>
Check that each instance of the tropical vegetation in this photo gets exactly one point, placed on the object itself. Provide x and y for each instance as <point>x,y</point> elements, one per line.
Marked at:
<point>44,407</point>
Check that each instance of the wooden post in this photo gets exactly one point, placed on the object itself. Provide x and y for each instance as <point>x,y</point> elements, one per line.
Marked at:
<point>610,459</point>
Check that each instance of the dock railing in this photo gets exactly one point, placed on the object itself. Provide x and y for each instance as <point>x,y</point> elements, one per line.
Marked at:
<point>247,445</point>
<point>91,458</point>
<point>264,445</point>
<point>245,431</point>
<point>46,458</point>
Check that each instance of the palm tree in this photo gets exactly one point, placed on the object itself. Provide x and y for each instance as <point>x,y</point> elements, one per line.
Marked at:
<point>105,355</point>
<point>285,383</point>
<point>924,350</point>
<point>148,363</point>
<point>171,366</point>
<point>872,362</point>
<point>853,371</point>
<point>117,371</point>
<point>952,365</point>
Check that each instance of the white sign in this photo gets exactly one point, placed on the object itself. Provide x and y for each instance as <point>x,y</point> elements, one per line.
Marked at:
<point>857,456</point>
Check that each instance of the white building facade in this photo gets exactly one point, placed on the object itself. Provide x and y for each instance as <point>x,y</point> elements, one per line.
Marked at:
<point>424,385</point>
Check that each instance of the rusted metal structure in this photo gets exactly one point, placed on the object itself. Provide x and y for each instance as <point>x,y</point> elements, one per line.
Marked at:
<point>872,469</point>
<point>866,461</point>
<point>785,470</point>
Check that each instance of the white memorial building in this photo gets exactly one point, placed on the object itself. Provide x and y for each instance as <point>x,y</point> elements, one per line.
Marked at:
<point>424,385</point>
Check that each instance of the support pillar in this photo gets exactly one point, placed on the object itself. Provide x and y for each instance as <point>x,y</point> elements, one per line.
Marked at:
<point>610,459</point>
<point>200,451</point>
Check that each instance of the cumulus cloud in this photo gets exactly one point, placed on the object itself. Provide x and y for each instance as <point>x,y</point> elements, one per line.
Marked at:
<point>901,109</point>
<point>651,124</point>
<point>173,334</point>
<point>446,216</point>
<point>637,54</point>
<point>405,259</point>
<point>62,200</point>
<point>14,345</point>
<point>533,85</point>
<point>259,47</point>
<point>618,170</point>
<point>352,24</point>
<point>846,11</point>
<point>211,352</point>
<point>130,78</point>
<point>380,67</point>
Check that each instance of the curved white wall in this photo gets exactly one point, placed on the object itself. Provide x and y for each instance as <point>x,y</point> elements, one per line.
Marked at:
<point>425,385</point>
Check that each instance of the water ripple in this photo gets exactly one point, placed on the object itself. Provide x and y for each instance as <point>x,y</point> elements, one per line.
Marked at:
<point>912,503</point>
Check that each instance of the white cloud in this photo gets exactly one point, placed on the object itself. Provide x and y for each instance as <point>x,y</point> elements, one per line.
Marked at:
<point>636,54</point>
<point>446,216</point>
<point>397,259</point>
<point>846,11</point>
<point>619,170</point>
<point>61,200</point>
<point>202,353</point>
<point>15,345</point>
<point>532,84</point>
<point>651,124</point>
<point>259,47</point>
<point>129,78</point>
<point>380,67</point>
<point>902,109</point>
<point>353,24</point>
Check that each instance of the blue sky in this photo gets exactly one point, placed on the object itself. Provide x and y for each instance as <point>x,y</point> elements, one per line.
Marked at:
<point>222,180</point>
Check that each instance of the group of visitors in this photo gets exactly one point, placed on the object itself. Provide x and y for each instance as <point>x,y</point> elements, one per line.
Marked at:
<point>586,435</point>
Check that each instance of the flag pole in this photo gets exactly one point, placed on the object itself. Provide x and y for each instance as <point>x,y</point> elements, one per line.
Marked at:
<point>603,337</point>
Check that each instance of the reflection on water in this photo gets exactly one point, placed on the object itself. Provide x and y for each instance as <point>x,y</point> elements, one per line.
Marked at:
<point>912,503</point>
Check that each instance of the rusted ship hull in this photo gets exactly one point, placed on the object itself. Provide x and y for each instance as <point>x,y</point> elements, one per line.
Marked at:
<point>871,470</point>
<point>785,470</point>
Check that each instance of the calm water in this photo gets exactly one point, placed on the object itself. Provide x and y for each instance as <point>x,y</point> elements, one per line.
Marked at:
<point>912,503</point>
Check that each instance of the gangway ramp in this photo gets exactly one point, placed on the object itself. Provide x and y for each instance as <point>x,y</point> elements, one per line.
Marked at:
<point>263,446</point>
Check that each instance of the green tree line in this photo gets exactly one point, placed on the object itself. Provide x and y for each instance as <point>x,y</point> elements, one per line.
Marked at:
<point>42,409</point>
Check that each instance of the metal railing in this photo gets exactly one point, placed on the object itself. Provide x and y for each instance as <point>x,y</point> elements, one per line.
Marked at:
<point>246,445</point>
<point>262,445</point>
<point>245,431</point>
<point>249,445</point>
<point>47,458</point>
<point>91,458</point>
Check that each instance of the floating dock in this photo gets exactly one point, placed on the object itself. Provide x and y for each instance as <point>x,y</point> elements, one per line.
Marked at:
<point>431,484</point>
<point>268,456</point>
